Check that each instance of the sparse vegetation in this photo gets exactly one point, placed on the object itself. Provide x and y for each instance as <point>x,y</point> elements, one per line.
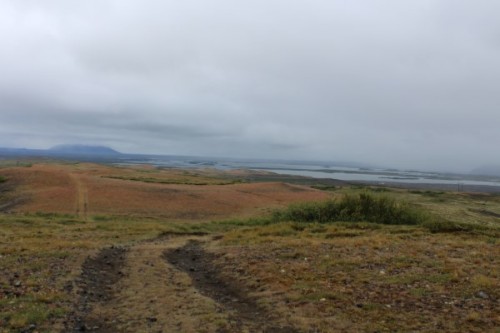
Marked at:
<point>325,187</point>
<point>191,180</point>
<point>428,193</point>
<point>359,261</point>
<point>362,207</point>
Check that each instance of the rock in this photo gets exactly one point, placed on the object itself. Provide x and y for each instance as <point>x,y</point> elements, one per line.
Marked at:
<point>17,283</point>
<point>483,295</point>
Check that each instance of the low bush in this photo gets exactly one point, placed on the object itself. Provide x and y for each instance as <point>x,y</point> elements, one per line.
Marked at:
<point>353,208</point>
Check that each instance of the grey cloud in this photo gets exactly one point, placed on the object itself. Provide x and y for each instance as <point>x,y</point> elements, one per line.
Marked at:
<point>409,84</point>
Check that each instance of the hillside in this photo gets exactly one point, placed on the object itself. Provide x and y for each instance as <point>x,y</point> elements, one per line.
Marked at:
<point>94,247</point>
<point>83,149</point>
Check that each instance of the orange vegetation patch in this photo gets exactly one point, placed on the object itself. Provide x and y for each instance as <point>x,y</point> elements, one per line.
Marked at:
<point>47,188</point>
<point>87,189</point>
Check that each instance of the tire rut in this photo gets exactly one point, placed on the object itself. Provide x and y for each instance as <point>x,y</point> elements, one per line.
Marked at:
<point>99,275</point>
<point>245,314</point>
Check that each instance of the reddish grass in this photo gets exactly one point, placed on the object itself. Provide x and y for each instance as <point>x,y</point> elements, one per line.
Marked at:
<point>57,188</point>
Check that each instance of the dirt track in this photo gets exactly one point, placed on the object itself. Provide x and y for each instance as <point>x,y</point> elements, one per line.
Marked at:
<point>81,196</point>
<point>245,314</point>
<point>166,285</point>
<point>99,274</point>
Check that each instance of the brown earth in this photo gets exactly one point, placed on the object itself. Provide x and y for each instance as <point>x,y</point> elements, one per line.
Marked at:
<point>87,190</point>
<point>229,294</point>
<point>126,290</point>
<point>95,287</point>
<point>272,278</point>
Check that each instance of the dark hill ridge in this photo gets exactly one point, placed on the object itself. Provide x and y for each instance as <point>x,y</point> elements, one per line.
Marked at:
<point>83,149</point>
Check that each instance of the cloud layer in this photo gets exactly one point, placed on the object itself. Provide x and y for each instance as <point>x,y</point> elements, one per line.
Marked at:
<point>412,84</point>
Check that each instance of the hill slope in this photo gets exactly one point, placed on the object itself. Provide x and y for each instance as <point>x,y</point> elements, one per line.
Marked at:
<point>83,149</point>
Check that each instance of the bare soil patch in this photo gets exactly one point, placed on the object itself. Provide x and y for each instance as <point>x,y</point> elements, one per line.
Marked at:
<point>145,288</point>
<point>99,275</point>
<point>245,313</point>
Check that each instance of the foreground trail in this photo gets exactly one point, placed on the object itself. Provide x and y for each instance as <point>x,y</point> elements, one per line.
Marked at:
<point>164,285</point>
<point>244,313</point>
<point>95,290</point>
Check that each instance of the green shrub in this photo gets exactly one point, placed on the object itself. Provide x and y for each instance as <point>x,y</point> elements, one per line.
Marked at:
<point>351,208</point>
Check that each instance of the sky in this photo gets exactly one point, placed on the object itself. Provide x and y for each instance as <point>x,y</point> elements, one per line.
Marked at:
<point>408,84</point>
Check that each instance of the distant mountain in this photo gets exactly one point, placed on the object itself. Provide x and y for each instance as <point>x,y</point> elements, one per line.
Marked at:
<point>83,150</point>
<point>487,170</point>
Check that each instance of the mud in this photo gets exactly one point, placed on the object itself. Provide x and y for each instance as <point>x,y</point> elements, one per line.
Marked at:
<point>95,288</point>
<point>245,314</point>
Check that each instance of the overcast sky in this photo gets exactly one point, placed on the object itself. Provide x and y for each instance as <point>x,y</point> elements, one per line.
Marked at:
<point>413,84</point>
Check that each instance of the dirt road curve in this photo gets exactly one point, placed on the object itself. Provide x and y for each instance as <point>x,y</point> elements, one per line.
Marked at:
<point>165,285</point>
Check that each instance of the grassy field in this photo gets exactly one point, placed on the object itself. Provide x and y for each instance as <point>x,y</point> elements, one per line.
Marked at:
<point>323,259</point>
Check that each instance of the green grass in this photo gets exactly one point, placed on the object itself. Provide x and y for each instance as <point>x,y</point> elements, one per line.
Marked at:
<point>354,211</point>
<point>351,208</point>
<point>442,225</point>
<point>427,193</point>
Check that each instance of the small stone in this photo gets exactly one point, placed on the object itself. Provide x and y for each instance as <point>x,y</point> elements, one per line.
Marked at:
<point>483,295</point>
<point>382,272</point>
<point>282,271</point>
<point>17,283</point>
<point>322,300</point>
